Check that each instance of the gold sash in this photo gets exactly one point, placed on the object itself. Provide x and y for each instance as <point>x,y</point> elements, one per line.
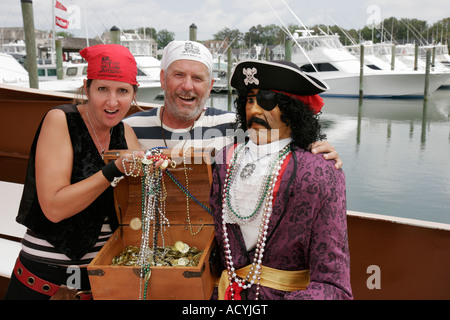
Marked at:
<point>270,277</point>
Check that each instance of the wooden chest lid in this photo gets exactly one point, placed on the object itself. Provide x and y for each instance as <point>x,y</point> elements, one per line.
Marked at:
<point>193,173</point>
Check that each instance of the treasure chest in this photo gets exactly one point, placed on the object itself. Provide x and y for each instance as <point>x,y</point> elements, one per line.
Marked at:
<point>187,188</point>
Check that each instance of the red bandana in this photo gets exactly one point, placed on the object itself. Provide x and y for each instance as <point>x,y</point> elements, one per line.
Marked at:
<point>314,102</point>
<point>110,62</point>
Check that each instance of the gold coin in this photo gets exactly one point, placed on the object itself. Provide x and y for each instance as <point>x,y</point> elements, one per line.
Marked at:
<point>135,224</point>
<point>183,261</point>
<point>181,246</point>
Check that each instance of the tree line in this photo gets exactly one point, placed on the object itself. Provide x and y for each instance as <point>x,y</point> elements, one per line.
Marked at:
<point>391,29</point>
<point>398,30</point>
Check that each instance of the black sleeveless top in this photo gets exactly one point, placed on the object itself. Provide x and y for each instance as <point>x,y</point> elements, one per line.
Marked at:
<point>76,235</point>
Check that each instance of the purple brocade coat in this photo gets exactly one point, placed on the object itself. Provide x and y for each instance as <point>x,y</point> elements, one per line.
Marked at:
<point>307,229</point>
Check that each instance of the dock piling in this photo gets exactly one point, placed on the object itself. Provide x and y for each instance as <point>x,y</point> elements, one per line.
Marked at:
<point>229,67</point>
<point>361,73</point>
<point>427,76</point>
<point>30,42</point>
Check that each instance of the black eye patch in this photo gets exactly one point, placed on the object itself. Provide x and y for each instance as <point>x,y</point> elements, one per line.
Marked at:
<point>266,99</point>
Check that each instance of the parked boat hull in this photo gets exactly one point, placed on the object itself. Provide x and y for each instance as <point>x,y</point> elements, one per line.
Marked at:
<point>396,85</point>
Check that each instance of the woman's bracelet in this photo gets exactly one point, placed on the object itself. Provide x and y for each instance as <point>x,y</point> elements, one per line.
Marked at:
<point>112,173</point>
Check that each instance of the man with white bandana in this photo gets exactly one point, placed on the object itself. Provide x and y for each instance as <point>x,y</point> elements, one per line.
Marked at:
<point>184,120</point>
<point>279,210</point>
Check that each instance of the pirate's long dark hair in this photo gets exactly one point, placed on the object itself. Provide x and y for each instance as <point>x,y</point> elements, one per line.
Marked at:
<point>305,125</point>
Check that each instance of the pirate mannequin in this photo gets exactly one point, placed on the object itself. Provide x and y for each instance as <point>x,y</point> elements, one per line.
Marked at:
<point>280,211</point>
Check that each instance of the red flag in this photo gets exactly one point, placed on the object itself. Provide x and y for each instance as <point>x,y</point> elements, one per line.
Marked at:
<point>59,5</point>
<point>62,23</point>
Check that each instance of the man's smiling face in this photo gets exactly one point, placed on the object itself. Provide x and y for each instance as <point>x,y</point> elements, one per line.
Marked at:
<point>187,85</point>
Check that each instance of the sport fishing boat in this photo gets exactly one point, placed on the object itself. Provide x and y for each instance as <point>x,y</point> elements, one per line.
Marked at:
<point>325,57</point>
<point>391,257</point>
<point>385,56</point>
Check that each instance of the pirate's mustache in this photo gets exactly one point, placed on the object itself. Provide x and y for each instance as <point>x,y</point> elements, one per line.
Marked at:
<point>258,121</point>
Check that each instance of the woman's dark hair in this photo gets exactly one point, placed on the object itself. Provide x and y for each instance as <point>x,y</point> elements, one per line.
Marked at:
<point>305,125</point>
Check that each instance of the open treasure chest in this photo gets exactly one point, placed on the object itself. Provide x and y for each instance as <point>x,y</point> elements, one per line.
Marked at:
<point>179,258</point>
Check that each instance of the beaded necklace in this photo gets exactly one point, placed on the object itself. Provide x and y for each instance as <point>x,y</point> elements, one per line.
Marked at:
<point>265,201</point>
<point>234,166</point>
<point>185,190</point>
<point>153,207</point>
<point>153,211</point>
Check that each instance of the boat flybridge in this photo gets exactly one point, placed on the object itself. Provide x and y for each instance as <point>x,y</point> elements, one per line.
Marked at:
<point>324,56</point>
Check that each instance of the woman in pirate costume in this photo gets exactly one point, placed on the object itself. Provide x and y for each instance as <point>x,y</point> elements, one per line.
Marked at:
<point>280,211</point>
<point>68,204</point>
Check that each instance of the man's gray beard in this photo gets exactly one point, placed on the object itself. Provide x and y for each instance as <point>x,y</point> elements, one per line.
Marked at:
<point>195,113</point>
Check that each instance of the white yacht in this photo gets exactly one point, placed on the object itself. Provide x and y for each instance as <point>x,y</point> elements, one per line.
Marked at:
<point>148,66</point>
<point>381,55</point>
<point>325,57</point>
<point>11,71</point>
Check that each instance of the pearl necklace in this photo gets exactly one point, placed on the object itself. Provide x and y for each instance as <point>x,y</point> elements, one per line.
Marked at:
<point>153,217</point>
<point>264,190</point>
<point>266,198</point>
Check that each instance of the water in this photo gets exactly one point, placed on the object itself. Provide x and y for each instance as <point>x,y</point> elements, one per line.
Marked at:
<point>396,156</point>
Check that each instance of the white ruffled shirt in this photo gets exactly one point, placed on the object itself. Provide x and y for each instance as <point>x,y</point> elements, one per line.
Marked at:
<point>244,193</point>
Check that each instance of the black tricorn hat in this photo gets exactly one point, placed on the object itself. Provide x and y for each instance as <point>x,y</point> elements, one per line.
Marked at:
<point>275,75</point>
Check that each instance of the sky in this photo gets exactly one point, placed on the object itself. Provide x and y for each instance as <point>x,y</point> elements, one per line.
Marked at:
<point>210,16</point>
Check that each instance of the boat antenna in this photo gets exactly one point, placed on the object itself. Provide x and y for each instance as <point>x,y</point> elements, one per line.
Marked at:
<point>95,30</point>
<point>295,16</point>
<point>223,42</point>
<point>230,43</point>
<point>349,37</point>
<point>416,33</point>
<point>294,38</point>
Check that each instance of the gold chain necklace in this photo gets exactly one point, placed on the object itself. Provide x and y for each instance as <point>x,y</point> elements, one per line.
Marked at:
<point>95,133</point>
<point>187,199</point>
<point>162,129</point>
<point>185,173</point>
